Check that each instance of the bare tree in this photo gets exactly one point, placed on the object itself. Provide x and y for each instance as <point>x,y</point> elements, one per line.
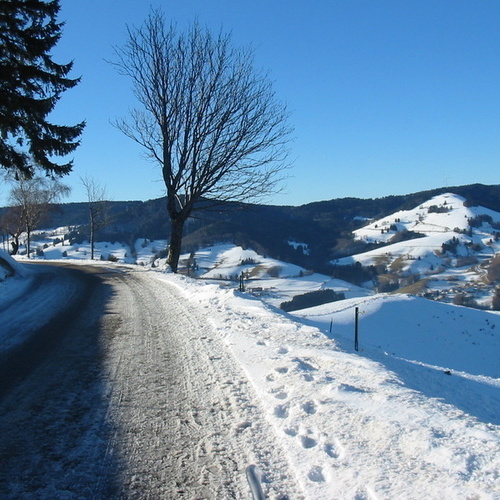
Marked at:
<point>33,198</point>
<point>209,120</point>
<point>12,225</point>
<point>98,208</point>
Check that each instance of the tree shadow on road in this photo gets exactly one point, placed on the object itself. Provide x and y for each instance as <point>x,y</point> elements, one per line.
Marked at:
<point>56,438</point>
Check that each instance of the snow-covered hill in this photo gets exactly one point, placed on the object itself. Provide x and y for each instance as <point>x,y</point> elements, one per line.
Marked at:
<point>443,240</point>
<point>440,215</point>
<point>227,261</point>
<point>441,249</point>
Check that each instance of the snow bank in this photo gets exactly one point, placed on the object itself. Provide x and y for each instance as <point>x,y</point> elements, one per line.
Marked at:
<point>10,267</point>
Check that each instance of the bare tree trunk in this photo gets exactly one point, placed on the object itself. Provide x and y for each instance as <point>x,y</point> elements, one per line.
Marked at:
<point>15,245</point>
<point>32,199</point>
<point>92,236</point>
<point>92,243</point>
<point>28,241</point>
<point>96,195</point>
<point>174,251</point>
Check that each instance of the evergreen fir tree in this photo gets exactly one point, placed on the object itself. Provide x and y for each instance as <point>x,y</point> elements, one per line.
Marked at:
<point>31,84</point>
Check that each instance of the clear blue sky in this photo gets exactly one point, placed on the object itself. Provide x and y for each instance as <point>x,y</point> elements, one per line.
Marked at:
<point>387,97</point>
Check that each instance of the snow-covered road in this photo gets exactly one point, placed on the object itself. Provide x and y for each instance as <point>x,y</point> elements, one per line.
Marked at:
<point>139,399</point>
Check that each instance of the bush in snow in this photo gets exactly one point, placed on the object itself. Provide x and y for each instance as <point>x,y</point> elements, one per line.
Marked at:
<point>274,271</point>
<point>467,261</point>
<point>312,299</point>
<point>354,273</point>
<point>248,261</point>
<point>450,246</point>
<point>438,210</point>
<point>162,254</point>
<point>462,299</point>
<point>479,220</point>
<point>387,283</point>
<point>405,235</point>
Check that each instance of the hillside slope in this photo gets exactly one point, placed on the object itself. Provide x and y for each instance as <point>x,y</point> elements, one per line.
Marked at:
<point>444,240</point>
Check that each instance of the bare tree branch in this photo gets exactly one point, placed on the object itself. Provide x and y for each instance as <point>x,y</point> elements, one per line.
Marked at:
<point>210,121</point>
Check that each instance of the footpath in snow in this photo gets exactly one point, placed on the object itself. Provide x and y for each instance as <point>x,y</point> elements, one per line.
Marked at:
<point>372,424</point>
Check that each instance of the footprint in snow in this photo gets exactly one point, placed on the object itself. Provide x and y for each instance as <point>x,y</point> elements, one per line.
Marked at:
<point>281,369</point>
<point>316,475</point>
<point>304,365</point>
<point>309,407</point>
<point>281,411</point>
<point>308,442</point>
<point>279,393</point>
<point>352,388</point>
<point>243,426</point>
<point>334,450</point>
<point>282,350</point>
<point>364,494</point>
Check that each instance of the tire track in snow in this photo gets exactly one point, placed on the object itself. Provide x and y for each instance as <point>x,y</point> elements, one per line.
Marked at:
<point>188,422</point>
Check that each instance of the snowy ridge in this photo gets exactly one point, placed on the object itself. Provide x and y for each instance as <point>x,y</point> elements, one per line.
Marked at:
<point>443,244</point>
<point>440,214</point>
